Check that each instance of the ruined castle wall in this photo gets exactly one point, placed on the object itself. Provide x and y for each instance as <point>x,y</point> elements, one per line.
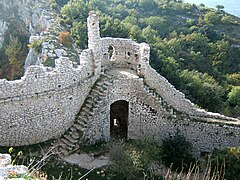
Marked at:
<point>167,91</point>
<point>174,97</point>
<point>125,52</point>
<point>148,117</point>
<point>42,105</point>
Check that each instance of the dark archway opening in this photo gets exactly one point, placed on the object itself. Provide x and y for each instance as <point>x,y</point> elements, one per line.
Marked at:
<point>119,119</point>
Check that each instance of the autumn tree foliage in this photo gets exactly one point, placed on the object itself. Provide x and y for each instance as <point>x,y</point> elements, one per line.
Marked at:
<point>65,38</point>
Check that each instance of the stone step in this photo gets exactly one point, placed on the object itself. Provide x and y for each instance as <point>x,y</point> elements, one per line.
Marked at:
<point>93,98</point>
<point>150,91</point>
<point>82,124</point>
<point>108,76</point>
<point>69,148</point>
<point>72,129</point>
<point>97,93</point>
<point>86,109</point>
<point>79,127</point>
<point>90,100</point>
<point>107,83</point>
<point>75,135</point>
<point>146,88</point>
<point>84,115</point>
<point>70,138</point>
<point>63,151</point>
<point>67,142</point>
<point>104,86</point>
<point>82,119</point>
<point>99,83</point>
<point>96,106</point>
<point>88,105</point>
<point>99,87</point>
<point>159,98</point>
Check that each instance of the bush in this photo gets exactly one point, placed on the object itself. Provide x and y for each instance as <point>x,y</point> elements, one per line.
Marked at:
<point>233,79</point>
<point>176,153</point>
<point>53,5</point>
<point>133,160</point>
<point>230,157</point>
<point>234,96</point>
<point>127,165</point>
<point>64,38</point>
<point>226,19</point>
<point>14,50</point>
<point>211,18</point>
<point>36,45</point>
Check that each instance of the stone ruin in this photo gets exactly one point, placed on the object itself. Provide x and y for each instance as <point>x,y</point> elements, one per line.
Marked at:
<point>112,93</point>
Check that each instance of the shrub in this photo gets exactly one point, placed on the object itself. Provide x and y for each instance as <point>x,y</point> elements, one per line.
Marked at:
<point>14,50</point>
<point>53,5</point>
<point>234,96</point>
<point>149,147</point>
<point>226,19</point>
<point>64,38</point>
<point>231,158</point>
<point>176,153</point>
<point>133,160</point>
<point>211,18</point>
<point>36,45</point>
<point>127,165</point>
<point>233,79</point>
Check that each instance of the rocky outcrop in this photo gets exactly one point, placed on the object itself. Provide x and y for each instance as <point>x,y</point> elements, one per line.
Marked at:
<point>9,171</point>
<point>3,29</point>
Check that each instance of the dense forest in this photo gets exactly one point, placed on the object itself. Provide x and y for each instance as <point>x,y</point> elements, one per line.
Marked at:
<point>196,48</point>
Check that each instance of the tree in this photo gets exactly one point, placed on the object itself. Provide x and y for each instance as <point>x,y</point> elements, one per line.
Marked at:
<point>202,89</point>
<point>14,50</point>
<point>149,34</point>
<point>233,79</point>
<point>219,7</point>
<point>226,19</point>
<point>211,18</point>
<point>75,10</point>
<point>64,38</point>
<point>62,2</point>
<point>79,33</point>
<point>234,96</point>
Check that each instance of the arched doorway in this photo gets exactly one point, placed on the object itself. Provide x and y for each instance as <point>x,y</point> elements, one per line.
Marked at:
<point>119,119</point>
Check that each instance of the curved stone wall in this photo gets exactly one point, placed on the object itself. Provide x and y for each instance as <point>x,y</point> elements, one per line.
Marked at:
<point>43,104</point>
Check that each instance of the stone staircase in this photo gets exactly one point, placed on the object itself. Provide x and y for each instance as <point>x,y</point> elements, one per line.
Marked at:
<point>161,101</point>
<point>69,141</point>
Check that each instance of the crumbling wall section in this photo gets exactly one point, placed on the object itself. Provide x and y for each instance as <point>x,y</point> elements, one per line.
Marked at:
<point>119,52</point>
<point>174,97</point>
<point>42,105</point>
<point>153,117</point>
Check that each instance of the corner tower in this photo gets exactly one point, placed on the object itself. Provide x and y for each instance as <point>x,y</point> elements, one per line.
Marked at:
<point>94,40</point>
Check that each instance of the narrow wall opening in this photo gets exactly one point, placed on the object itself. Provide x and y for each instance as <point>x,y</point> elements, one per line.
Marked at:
<point>110,52</point>
<point>119,119</point>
